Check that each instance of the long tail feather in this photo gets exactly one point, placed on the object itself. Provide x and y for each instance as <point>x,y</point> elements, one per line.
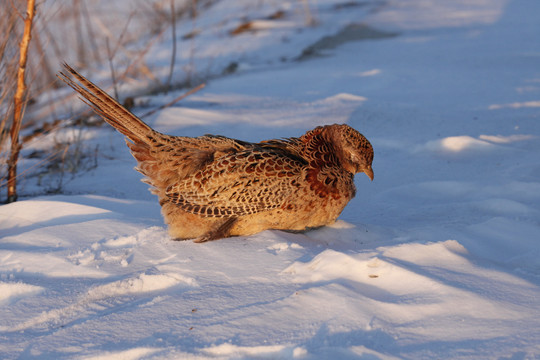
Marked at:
<point>108,108</point>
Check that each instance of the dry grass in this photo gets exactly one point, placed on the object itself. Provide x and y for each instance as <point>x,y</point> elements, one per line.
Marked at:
<point>87,34</point>
<point>8,82</point>
<point>64,161</point>
<point>95,41</point>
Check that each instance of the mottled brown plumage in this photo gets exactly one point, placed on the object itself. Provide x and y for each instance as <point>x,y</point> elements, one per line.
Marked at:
<point>211,187</point>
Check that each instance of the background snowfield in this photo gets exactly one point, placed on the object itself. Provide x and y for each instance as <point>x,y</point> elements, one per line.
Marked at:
<point>437,258</point>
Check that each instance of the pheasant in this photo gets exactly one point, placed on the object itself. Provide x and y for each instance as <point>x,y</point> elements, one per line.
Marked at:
<point>212,187</point>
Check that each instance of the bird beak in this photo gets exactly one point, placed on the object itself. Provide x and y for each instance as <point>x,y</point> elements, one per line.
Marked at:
<point>369,172</point>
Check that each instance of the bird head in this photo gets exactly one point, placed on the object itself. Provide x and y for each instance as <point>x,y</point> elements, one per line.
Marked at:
<point>353,149</point>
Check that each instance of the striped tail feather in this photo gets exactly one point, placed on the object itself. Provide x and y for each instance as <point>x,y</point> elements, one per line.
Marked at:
<point>107,107</point>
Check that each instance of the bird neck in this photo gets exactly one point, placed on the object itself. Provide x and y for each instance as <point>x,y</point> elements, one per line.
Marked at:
<point>319,149</point>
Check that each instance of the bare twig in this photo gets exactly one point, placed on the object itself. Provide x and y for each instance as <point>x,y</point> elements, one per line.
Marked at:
<point>173,55</point>
<point>310,20</point>
<point>16,11</point>
<point>81,45</point>
<point>90,31</point>
<point>8,78</point>
<point>191,67</point>
<point>18,102</point>
<point>140,56</point>
<point>109,57</point>
<point>192,91</point>
<point>47,75</point>
<point>38,164</point>
<point>123,33</point>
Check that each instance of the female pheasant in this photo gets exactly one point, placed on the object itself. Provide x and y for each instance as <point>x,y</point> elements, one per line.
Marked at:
<point>211,187</point>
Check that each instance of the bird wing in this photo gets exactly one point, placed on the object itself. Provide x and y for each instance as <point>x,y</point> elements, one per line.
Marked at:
<point>240,184</point>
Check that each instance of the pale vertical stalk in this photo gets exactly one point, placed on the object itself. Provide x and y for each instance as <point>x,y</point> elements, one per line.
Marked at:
<point>310,20</point>
<point>173,55</point>
<point>81,44</point>
<point>90,31</point>
<point>110,56</point>
<point>191,68</point>
<point>18,102</point>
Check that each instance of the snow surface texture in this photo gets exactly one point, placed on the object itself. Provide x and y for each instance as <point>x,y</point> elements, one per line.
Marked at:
<point>437,258</point>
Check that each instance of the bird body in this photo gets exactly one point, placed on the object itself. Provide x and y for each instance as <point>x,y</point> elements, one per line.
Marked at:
<point>210,187</point>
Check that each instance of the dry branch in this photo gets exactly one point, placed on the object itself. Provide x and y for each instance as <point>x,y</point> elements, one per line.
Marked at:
<point>173,54</point>
<point>19,103</point>
<point>192,91</point>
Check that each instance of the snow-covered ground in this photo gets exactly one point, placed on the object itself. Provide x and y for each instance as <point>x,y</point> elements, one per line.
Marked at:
<point>437,258</point>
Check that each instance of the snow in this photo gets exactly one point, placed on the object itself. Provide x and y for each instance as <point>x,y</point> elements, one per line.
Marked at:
<point>438,257</point>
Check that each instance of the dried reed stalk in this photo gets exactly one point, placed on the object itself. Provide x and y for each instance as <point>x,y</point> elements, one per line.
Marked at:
<point>18,102</point>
